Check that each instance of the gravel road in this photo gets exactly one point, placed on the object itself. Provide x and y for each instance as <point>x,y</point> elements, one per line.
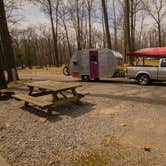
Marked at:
<point>119,109</point>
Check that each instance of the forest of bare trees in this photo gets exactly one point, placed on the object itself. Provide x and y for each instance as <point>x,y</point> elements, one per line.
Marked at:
<point>122,25</point>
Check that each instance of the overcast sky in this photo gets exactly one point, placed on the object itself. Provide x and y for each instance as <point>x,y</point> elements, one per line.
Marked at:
<point>32,16</point>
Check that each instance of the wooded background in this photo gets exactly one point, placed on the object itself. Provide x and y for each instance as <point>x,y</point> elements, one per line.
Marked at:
<point>121,25</point>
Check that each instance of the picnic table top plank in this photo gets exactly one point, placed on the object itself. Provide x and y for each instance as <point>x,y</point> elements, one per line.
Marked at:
<point>33,100</point>
<point>53,86</point>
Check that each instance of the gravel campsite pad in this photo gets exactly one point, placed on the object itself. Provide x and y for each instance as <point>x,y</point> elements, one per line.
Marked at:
<point>116,124</point>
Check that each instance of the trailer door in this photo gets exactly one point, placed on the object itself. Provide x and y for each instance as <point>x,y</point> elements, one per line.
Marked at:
<point>94,64</point>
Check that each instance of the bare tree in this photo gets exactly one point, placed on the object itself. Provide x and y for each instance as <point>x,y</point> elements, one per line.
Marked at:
<point>76,14</point>
<point>115,26</point>
<point>54,32</point>
<point>3,83</point>
<point>157,10</point>
<point>127,37</point>
<point>78,25</point>
<point>63,16</point>
<point>49,7</point>
<point>89,4</point>
<point>6,43</point>
<point>106,21</point>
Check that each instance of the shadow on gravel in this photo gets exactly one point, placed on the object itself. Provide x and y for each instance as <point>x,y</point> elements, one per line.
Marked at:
<point>121,81</point>
<point>70,110</point>
<point>4,98</point>
<point>132,98</point>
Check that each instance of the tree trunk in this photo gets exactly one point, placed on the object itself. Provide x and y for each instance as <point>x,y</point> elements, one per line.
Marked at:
<point>132,26</point>
<point>3,84</point>
<point>6,43</point>
<point>67,37</point>
<point>127,38</point>
<point>103,30</point>
<point>90,22</point>
<point>78,27</point>
<point>159,34</point>
<point>115,28</point>
<point>105,14</point>
<point>54,34</point>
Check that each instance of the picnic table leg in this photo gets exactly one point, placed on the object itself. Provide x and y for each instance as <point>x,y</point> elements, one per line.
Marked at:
<point>26,104</point>
<point>74,92</point>
<point>30,93</point>
<point>31,90</point>
<point>55,97</point>
<point>49,111</point>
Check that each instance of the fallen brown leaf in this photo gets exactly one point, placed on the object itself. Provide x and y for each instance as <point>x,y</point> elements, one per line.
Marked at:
<point>147,147</point>
<point>43,120</point>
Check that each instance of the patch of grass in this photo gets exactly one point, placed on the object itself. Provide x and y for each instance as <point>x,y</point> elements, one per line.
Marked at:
<point>111,152</point>
<point>43,70</point>
<point>91,159</point>
<point>18,83</point>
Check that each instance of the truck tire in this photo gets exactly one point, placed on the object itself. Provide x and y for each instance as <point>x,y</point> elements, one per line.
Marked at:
<point>143,79</point>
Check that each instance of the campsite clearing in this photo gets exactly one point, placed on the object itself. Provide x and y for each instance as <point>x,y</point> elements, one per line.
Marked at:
<point>92,131</point>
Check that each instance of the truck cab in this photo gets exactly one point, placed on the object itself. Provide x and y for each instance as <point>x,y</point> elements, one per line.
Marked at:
<point>162,70</point>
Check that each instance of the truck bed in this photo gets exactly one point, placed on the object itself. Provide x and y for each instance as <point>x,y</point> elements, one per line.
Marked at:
<point>134,71</point>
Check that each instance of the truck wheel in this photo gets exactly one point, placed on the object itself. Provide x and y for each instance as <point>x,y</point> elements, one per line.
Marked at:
<point>143,79</point>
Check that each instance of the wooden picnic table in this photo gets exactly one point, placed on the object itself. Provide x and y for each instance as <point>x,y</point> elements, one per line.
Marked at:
<point>61,93</point>
<point>54,87</point>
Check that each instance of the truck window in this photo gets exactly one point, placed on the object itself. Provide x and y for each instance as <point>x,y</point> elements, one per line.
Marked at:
<point>163,63</point>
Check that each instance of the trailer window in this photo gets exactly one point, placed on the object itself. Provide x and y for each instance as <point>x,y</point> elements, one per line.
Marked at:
<point>93,59</point>
<point>74,63</point>
<point>163,63</point>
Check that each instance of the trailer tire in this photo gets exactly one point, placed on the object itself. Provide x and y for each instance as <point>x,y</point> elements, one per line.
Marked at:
<point>85,78</point>
<point>143,79</point>
<point>96,79</point>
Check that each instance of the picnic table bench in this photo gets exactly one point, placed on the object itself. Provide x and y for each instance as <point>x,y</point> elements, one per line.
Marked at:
<point>57,92</point>
<point>6,92</point>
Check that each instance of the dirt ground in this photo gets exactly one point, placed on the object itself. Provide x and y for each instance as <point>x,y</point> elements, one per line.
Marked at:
<point>111,127</point>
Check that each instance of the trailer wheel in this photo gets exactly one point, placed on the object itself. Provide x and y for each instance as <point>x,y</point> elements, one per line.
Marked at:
<point>85,78</point>
<point>143,79</point>
<point>96,79</point>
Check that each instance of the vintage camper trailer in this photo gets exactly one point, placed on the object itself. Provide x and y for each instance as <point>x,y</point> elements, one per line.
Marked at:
<point>95,64</point>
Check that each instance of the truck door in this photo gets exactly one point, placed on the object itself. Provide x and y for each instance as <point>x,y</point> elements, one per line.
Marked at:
<point>162,70</point>
<point>94,64</point>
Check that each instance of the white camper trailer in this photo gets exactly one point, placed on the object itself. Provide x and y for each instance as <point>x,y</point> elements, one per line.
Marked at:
<point>95,64</point>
